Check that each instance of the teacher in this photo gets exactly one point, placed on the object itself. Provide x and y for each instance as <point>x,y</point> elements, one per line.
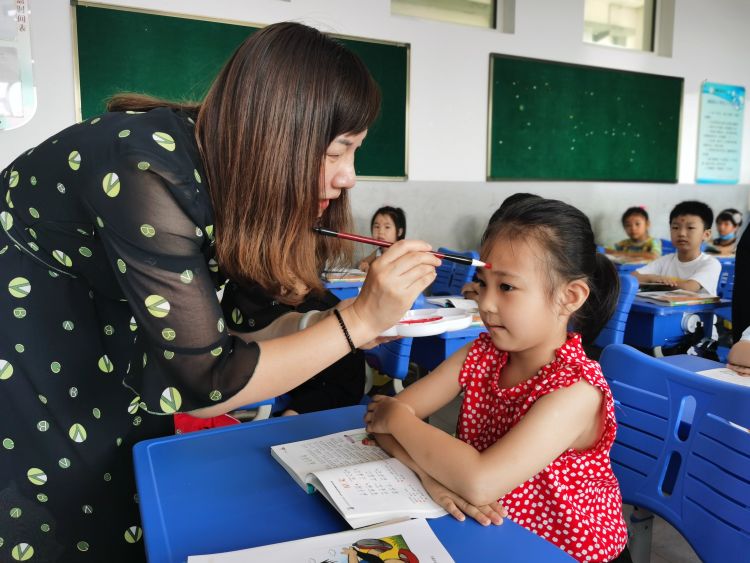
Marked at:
<point>116,234</point>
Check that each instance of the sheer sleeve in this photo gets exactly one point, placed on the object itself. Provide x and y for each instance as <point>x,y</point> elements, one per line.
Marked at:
<point>153,219</point>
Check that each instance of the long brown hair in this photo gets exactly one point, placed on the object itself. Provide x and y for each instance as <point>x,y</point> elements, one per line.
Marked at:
<point>285,94</point>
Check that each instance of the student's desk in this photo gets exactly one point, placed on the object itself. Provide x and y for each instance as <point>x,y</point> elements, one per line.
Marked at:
<point>220,490</point>
<point>428,352</point>
<point>650,325</point>
<point>696,364</point>
<point>344,289</point>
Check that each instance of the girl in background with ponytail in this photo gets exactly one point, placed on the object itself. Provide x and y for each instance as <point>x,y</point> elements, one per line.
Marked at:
<point>537,420</point>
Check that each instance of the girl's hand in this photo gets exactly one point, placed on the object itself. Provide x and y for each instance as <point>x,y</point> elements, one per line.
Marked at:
<point>667,280</point>
<point>381,410</point>
<point>459,508</point>
<point>393,283</point>
<point>364,265</point>
<point>741,370</point>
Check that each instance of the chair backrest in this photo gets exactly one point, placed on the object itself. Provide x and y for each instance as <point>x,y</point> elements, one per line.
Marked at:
<point>667,247</point>
<point>725,277</point>
<point>614,331</point>
<point>442,283</point>
<point>683,450</point>
<point>391,358</point>
<point>451,277</point>
<point>462,274</point>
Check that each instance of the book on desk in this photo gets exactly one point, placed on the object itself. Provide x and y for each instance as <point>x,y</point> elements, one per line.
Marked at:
<point>362,482</point>
<point>345,275</point>
<point>677,297</point>
<point>409,541</point>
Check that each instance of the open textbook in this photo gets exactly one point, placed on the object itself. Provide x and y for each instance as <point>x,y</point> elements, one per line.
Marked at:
<point>677,297</point>
<point>357,477</point>
<point>411,541</point>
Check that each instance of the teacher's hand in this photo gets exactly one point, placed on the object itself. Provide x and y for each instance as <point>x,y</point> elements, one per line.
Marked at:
<point>393,283</point>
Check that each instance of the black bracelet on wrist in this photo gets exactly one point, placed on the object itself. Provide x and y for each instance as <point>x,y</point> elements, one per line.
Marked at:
<point>352,347</point>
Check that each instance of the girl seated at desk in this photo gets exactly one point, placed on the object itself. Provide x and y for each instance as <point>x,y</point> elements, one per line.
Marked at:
<point>387,224</point>
<point>537,420</point>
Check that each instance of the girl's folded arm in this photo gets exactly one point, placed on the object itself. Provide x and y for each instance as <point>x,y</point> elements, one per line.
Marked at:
<point>566,418</point>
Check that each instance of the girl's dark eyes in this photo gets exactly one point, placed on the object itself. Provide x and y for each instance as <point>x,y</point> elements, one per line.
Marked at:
<point>480,282</point>
<point>506,287</point>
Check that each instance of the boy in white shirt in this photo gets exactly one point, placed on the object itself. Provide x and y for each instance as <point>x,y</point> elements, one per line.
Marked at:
<point>688,268</point>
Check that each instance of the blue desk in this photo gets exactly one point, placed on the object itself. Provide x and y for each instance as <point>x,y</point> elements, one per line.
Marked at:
<point>343,289</point>
<point>220,490</point>
<point>429,352</point>
<point>650,325</point>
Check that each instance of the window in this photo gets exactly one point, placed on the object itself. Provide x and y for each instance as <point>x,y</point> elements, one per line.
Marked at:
<point>620,23</point>
<point>17,94</point>
<point>479,13</point>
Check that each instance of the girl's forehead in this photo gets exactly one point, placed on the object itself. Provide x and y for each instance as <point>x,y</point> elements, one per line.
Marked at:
<point>383,218</point>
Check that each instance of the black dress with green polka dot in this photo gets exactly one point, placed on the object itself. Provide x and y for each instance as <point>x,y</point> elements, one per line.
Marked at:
<point>109,324</point>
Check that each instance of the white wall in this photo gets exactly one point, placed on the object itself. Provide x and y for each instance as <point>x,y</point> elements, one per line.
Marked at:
<point>446,198</point>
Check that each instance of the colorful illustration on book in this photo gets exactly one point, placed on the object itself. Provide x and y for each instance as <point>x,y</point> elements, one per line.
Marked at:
<point>391,549</point>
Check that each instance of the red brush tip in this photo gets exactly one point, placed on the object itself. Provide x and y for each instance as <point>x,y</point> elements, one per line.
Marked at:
<point>488,265</point>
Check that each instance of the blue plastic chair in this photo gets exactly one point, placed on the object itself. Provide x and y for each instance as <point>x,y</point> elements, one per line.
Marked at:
<point>614,331</point>
<point>667,247</point>
<point>442,283</point>
<point>451,277</point>
<point>683,450</point>
<point>391,359</point>
<point>462,274</point>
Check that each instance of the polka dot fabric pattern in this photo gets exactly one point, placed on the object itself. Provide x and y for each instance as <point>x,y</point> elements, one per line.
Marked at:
<point>575,501</point>
<point>109,324</point>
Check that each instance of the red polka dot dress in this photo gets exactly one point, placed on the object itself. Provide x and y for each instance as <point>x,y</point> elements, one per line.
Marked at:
<point>575,501</point>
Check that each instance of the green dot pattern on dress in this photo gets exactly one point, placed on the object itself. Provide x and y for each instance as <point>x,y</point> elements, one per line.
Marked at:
<point>111,184</point>
<point>157,306</point>
<point>19,287</point>
<point>105,364</point>
<point>147,230</point>
<point>164,140</point>
<point>22,552</point>
<point>6,370</point>
<point>77,433</point>
<point>74,160</point>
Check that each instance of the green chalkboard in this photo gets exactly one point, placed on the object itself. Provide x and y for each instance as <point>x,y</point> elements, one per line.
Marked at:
<point>555,121</point>
<point>177,58</point>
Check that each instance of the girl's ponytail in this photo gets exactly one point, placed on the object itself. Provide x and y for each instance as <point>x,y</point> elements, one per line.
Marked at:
<point>604,291</point>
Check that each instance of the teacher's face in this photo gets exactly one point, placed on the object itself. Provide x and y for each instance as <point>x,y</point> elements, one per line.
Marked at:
<point>338,165</point>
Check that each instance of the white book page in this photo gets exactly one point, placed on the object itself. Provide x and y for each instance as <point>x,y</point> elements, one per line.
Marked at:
<point>726,374</point>
<point>414,536</point>
<point>376,491</point>
<point>350,447</point>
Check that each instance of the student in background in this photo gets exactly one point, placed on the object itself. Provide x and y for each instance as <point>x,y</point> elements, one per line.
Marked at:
<point>688,268</point>
<point>728,223</point>
<point>471,290</point>
<point>537,420</point>
<point>639,243</point>
<point>387,224</point>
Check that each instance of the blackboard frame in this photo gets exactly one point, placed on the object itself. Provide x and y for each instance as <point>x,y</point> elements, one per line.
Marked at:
<point>660,163</point>
<point>384,155</point>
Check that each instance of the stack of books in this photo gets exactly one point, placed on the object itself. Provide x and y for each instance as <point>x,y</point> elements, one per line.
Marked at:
<point>677,297</point>
<point>348,275</point>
